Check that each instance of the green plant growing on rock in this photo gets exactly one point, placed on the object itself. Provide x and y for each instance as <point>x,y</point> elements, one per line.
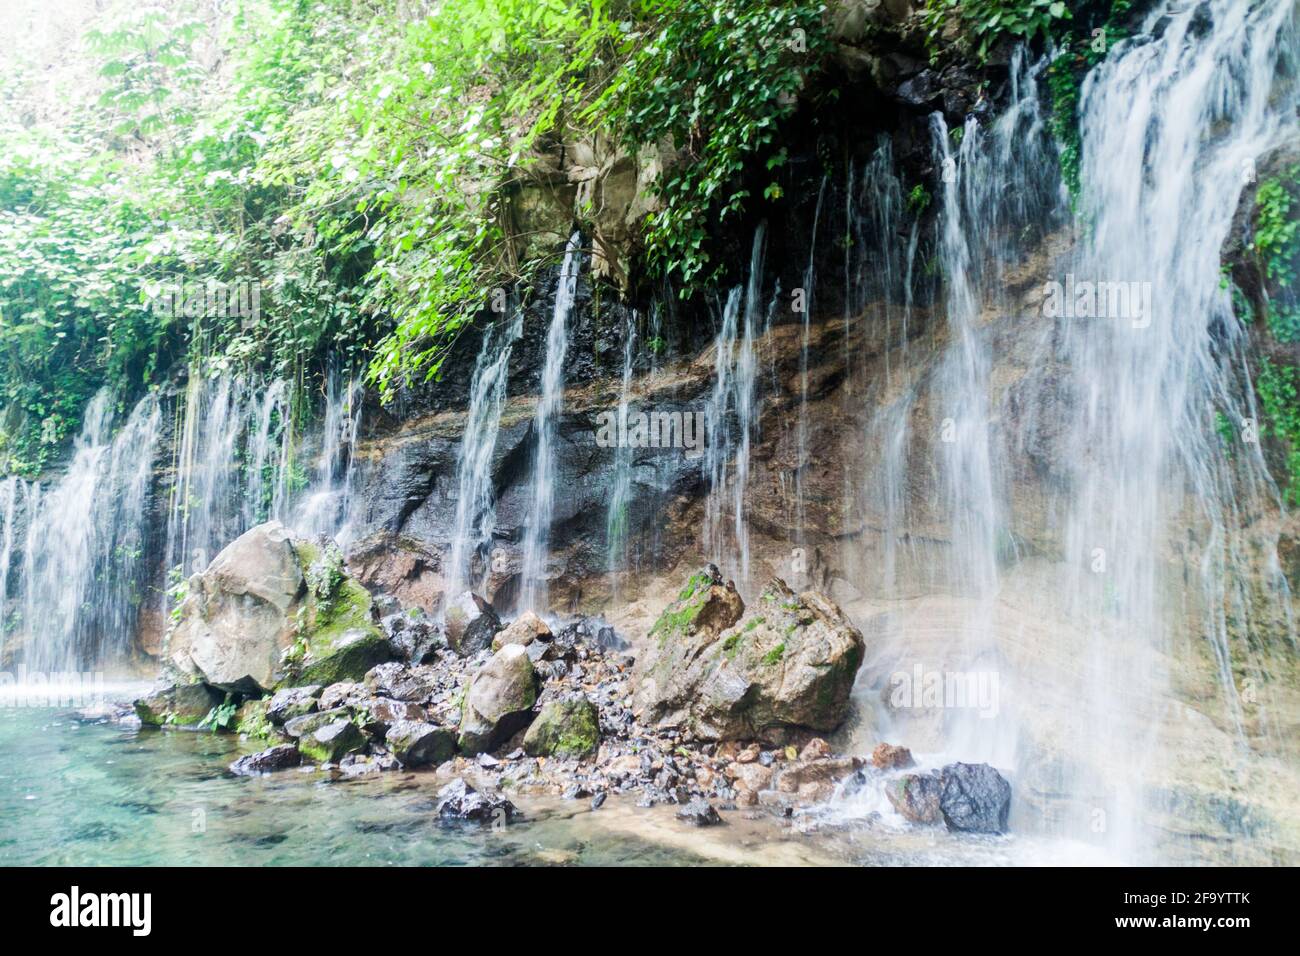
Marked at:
<point>1279,393</point>
<point>221,718</point>
<point>982,23</point>
<point>1277,246</point>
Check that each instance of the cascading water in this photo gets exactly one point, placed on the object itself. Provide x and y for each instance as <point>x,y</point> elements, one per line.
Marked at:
<point>84,550</point>
<point>1169,122</point>
<point>325,509</point>
<point>474,492</point>
<point>533,589</point>
<point>801,438</point>
<point>621,492</point>
<point>730,421</point>
<point>233,465</point>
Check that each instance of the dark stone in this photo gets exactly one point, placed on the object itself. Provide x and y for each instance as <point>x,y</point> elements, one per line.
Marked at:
<point>178,705</point>
<point>471,623</point>
<point>924,89</point>
<point>419,744</point>
<point>292,702</point>
<point>459,801</point>
<point>699,813</point>
<point>308,723</point>
<point>280,757</point>
<point>328,744</point>
<point>916,796</point>
<point>975,798</point>
<point>380,713</point>
<point>401,682</point>
<point>416,640</point>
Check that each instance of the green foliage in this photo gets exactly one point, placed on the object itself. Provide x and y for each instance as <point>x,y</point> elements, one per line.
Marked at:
<point>1280,400</point>
<point>982,23</point>
<point>178,589</point>
<point>221,717</point>
<point>1079,52</point>
<point>918,200</point>
<point>714,80</point>
<point>355,164</point>
<point>1277,244</point>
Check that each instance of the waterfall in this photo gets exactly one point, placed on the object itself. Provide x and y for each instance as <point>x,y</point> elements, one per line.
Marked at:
<point>9,515</point>
<point>474,495</point>
<point>549,404</point>
<point>233,465</point>
<point>731,418</point>
<point>325,508</point>
<point>801,441</point>
<point>1169,122</point>
<point>939,446</point>
<point>621,492</point>
<point>84,551</point>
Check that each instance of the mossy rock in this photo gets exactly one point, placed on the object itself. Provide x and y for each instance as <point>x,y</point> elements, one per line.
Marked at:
<point>332,742</point>
<point>344,657</point>
<point>251,720</point>
<point>179,705</point>
<point>564,728</point>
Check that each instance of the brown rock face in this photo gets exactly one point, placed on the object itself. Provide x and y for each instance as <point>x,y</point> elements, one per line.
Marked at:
<point>890,757</point>
<point>788,663</point>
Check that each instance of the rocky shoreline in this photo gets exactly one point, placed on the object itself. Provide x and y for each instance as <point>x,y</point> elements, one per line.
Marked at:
<point>718,709</point>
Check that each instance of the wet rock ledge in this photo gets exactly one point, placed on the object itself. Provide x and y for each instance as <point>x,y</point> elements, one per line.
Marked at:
<point>721,710</point>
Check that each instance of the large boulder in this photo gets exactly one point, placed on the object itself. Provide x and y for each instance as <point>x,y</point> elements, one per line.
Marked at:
<point>499,700</point>
<point>269,607</point>
<point>787,663</point>
<point>235,620</point>
<point>418,744</point>
<point>975,798</point>
<point>306,724</point>
<point>972,798</point>
<point>470,623</point>
<point>292,702</point>
<point>402,682</point>
<point>380,713</point>
<point>177,705</point>
<point>564,728</point>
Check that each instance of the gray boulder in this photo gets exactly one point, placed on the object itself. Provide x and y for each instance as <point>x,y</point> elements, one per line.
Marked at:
<point>564,728</point>
<point>272,607</point>
<point>305,724</point>
<point>292,702</point>
<point>418,744</point>
<point>470,624</point>
<point>379,713</point>
<point>235,620</point>
<point>699,813</point>
<point>177,705</point>
<point>402,681</point>
<point>458,801</point>
<point>333,741</point>
<point>499,700</point>
<point>787,663</point>
<point>974,798</point>
<point>916,796</point>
